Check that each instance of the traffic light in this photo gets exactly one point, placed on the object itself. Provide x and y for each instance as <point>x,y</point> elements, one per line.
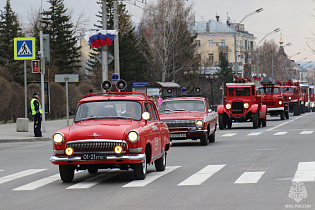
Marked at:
<point>35,66</point>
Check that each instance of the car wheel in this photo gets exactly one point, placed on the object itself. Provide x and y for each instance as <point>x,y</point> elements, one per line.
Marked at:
<point>66,173</point>
<point>212,138</point>
<point>282,115</point>
<point>160,163</point>
<point>255,120</point>
<point>287,114</point>
<point>221,122</point>
<point>140,169</point>
<point>204,139</point>
<point>92,170</point>
<point>295,110</point>
<point>263,122</point>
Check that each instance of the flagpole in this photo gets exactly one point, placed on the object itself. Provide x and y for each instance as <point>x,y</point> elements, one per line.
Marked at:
<point>104,48</point>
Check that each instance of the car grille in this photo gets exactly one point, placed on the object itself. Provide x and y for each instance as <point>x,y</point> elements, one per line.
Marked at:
<point>180,123</point>
<point>237,107</point>
<point>96,146</point>
<point>269,103</point>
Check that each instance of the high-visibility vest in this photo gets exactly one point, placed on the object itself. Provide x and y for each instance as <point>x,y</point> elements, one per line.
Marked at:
<point>33,106</point>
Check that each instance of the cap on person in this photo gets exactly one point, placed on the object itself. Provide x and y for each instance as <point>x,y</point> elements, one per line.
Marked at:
<point>35,93</point>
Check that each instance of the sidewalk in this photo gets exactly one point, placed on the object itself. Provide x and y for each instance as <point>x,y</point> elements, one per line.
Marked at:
<point>8,131</point>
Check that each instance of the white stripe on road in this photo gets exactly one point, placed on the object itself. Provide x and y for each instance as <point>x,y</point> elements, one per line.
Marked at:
<point>280,133</point>
<point>151,177</point>
<point>202,175</point>
<point>254,134</point>
<point>229,135</point>
<point>39,183</point>
<point>249,177</point>
<point>306,132</point>
<point>305,172</point>
<point>19,175</point>
<point>286,122</point>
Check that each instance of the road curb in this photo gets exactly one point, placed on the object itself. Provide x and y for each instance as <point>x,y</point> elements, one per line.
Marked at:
<point>25,140</point>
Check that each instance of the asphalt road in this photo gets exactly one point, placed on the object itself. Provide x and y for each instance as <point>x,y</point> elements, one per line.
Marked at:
<point>245,168</point>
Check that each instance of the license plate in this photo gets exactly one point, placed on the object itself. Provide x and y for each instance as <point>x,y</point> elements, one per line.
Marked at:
<point>178,135</point>
<point>93,157</point>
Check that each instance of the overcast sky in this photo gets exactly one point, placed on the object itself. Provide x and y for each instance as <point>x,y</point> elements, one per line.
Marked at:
<point>293,17</point>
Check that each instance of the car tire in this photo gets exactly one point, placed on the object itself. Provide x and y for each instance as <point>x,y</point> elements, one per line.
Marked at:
<point>140,169</point>
<point>263,122</point>
<point>255,120</point>
<point>295,110</point>
<point>204,139</point>
<point>212,138</point>
<point>287,114</point>
<point>221,122</point>
<point>282,115</point>
<point>92,170</point>
<point>66,173</point>
<point>160,163</point>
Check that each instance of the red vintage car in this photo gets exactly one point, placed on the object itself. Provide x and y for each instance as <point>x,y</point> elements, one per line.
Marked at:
<point>189,118</point>
<point>112,130</point>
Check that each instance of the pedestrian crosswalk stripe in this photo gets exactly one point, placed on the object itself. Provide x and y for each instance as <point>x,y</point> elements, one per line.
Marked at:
<point>306,132</point>
<point>202,175</point>
<point>254,134</point>
<point>19,175</point>
<point>151,177</point>
<point>249,177</point>
<point>279,133</point>
<point>39,183</point>
<point>229,135</point>
<point>305,172</point>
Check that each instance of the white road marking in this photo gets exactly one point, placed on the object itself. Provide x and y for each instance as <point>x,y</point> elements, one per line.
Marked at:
<point>254,134</point>
<point>305,172</point>
<point>280,133</point>
<point>202,175</point>
<point>39,183</point>
<point>19,175</point>
<point>306,132</point>
<point>286,122</point>
<point>249,177</point>
<point>229,135</point>
<point>151,177</point>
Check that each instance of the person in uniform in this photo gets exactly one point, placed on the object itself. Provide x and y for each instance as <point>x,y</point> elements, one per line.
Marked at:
<point>36,112</point>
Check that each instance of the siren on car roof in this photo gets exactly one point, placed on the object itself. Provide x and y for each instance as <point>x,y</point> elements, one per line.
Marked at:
<point>197,90</point>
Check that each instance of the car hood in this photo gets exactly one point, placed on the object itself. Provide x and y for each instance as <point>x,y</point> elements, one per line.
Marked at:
<point>101,129</point>
<point>182,115</point>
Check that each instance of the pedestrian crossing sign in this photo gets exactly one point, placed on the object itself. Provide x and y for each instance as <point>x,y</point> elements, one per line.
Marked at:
<point>24,48</point>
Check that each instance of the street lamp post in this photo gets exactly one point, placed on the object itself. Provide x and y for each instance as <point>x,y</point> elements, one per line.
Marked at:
<point>211,78</point>
<point>236,29</point>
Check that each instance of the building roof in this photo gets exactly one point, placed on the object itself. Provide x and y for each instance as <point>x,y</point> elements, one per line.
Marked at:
<point>163,84</point>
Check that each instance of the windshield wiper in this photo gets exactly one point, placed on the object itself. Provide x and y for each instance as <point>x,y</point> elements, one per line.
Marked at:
<point>179,110</point>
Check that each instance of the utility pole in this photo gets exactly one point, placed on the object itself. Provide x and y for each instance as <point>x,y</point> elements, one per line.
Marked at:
<point>104,48</point>
<point>116,40</point>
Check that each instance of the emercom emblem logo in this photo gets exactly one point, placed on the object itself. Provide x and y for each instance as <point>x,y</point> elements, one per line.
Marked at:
<point>297,191</point>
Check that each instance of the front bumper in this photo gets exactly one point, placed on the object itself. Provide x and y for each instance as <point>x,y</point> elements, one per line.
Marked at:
<point>56,159</point>
<point>275,109</point>
<point>184,134</point>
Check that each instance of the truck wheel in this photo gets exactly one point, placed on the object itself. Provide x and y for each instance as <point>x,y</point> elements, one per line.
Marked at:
<point>212,138</point>
<point>295,110</point>
<point>140,169</point>
<point>204,139</point>
<point>255,120</point>
<point>229,123</point>
<point>287,114</point>
<point>222,124</point>
<point>66,173</point>
<point>160,163</point>
<point>282,115</point>
<point>263,122</point>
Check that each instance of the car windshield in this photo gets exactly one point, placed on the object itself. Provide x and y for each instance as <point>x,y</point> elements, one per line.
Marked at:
<point>131,110</point>
<point>182,105</point>
<point>242,91</point>
<point>269,90</point>
<point>287,90</point>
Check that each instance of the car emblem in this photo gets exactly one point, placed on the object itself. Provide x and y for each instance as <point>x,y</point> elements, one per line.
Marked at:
<point>95,134</point>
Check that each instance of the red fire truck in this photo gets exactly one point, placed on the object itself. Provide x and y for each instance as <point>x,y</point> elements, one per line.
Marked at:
<point>312,97</point>
<point>291,93</point>
<point>241,104</point>
<point>306,98</point>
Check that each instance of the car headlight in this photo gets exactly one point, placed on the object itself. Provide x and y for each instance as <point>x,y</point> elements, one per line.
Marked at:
<point>133,136</point>
<point>199,123</point>
<point>58,138</point>
<point>246,105</point>
<point>289,98</point>
<point>280,102</point>
<point>228,106</point>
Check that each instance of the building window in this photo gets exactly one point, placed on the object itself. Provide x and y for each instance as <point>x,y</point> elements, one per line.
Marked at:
<point>246,45</point>
<point>198,56</point>
<point>197,43</point>
<point>210,43</point>
<point>222,42</point>
<point>210,61</point>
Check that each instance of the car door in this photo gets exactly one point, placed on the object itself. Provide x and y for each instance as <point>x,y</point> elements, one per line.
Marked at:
<point>157,141</point>
<point>211,116</point>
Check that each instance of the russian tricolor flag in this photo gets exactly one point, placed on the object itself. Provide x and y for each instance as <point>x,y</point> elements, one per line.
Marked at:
<point>100,38</point>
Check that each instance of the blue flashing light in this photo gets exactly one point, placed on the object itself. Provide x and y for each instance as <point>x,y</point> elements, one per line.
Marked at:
<point>115,77</point>
<point>183,90</point>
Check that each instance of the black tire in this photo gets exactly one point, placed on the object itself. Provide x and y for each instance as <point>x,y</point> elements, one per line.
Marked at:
<point>263,122</point>
<point>92,170</point>
<point>282,115</point>
<point>66,173</point>
<point>229,123</point>
<point>140,169</point>
<point>255,120</point>
<point>212,138</point>
<point>160,164</point>
<point>287,114</point>
<point>259,123</point>
<point>221,122</point>
<point>295,110</point>
<point>204,139</point>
